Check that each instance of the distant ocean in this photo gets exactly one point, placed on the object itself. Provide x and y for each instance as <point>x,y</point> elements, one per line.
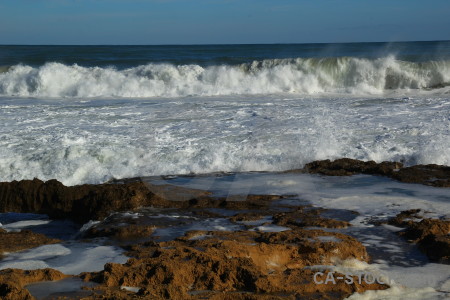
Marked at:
<point>86,114</point>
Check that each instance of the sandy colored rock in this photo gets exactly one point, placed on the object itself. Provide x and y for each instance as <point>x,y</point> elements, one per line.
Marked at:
<point>25,239</point>
<point>13,281</point>
<point>222,265</point>
<point>417,231</point>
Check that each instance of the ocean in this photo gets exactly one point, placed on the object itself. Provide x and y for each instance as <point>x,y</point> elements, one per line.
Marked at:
<point>86,114</point>
<point>226,119</point>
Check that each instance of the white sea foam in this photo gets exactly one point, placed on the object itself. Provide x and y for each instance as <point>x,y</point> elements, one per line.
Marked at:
<point>70,258</point>
<point>90,142</point>
<point>301,75</point>
<point>400,293</point>
<point>18,226</point>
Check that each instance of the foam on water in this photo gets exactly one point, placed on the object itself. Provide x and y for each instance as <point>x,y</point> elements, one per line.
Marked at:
<point>400,293</point>
<point>18,226</point>
<point>69,258</point>
<point>370,196</point>
<point>91,141</point>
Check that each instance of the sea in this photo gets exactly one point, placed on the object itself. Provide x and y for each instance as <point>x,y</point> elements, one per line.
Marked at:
<point>91,114</point>
<point>87,114</point>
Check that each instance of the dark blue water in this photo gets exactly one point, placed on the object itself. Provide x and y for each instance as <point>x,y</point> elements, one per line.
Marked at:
<point>206,55</point>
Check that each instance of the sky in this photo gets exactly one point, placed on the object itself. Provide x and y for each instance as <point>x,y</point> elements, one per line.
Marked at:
<point>149,22</point>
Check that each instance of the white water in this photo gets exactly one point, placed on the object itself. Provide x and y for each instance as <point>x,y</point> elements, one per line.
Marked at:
<point>305,76</point>
<point>69,258</point>
<point>90,141</point>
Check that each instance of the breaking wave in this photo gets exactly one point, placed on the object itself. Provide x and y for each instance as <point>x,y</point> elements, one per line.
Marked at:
<point>300,75</point>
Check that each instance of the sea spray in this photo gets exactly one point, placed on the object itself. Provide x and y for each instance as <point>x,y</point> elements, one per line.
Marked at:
<point>298,76</point>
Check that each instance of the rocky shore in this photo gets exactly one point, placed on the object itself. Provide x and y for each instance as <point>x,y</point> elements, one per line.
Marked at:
<point>247,263</point>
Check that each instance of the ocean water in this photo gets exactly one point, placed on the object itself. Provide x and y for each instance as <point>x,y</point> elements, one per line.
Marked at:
<point>86,114</point>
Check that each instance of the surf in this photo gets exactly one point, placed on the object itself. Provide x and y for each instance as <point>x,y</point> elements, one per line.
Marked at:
<point>304,76</point>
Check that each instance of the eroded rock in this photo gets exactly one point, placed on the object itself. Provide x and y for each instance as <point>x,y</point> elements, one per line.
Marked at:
<point>222,265</point>
<point>434,175</point>
<point>25,239</point>
<point>347,166</point>
<point>13,281</point>
<point>431,235</point>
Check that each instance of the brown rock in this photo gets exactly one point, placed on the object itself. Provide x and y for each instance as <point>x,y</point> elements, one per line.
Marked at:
<point>84,202</point>
<point>417,231</point>
<point>94,202</point>
<point>13,281</point>
<point>404,218</point>
<point>226,265</point>
<point>16,241</point>
<point>307,218</point>
<point>125,233</point>
<point>434,175</point>
<point>431,235</point>
<point>436,247</point>
<point>347,166</point>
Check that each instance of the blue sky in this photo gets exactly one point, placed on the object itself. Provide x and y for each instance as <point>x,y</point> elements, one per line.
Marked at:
<point>221,21</point>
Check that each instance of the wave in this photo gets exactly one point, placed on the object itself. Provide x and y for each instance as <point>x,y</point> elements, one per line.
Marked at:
<point>300,75</point>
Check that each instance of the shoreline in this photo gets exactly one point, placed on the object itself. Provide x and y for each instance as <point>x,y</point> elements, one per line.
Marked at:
<point>266,246</point>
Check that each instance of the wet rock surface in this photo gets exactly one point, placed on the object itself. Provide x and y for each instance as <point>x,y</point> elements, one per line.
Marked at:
<point>87,202</point>
<point>244,264</point>
<point>268,256</point>
<point>431,235</point>
<point>25,239</point>
<point>94,202</point>
<point>13,281</point>
<point>347,166</point>
<point>226,265</point>
<point>434,175</point>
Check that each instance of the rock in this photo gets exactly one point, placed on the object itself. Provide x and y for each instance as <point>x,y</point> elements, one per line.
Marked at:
<point>405,218</point>
<point>307,218</point>
<point>16,241</point>
<point>431,235</point>
<point>417,231</point>
<point>13,281</point>
<point>436,247</point>
<point>95,202</point>
<point>83,202</point>
<point>126,232</point>
<point>347,166</point>
<point>226,265</point>
<point>434,175</point>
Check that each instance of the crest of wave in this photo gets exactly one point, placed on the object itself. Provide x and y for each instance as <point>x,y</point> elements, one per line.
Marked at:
<point>304,76</point>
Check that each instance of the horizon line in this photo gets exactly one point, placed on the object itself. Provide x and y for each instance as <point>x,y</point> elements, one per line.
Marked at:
<point>233,44</point>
